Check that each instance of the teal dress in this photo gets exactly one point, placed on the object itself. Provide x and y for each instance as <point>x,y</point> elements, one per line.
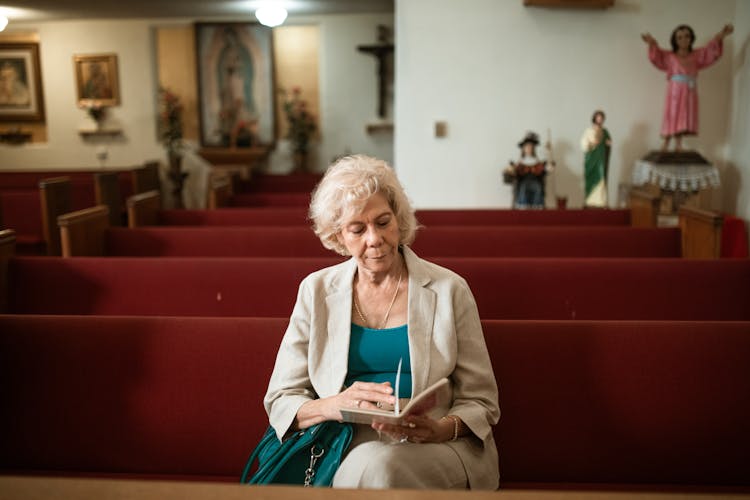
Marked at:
<point>374,356</point>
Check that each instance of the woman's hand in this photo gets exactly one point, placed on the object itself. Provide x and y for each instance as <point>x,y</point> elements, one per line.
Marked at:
<point>357,395</point>
<point>649,39</point>
<point>419,429</point>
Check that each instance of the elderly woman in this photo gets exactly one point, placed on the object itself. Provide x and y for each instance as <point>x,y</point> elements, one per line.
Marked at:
<point>354,321</point>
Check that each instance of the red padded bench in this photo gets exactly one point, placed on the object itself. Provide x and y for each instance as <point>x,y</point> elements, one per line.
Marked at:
<point>288,216</point>
<point>660,404</point>
<point>443,241</point>
<point>506,217</point>
<point>564,289</point>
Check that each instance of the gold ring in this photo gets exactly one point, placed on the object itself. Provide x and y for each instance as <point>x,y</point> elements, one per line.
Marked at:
<point>359,402</point>
<point>404,438</point>
<point>379,404</point>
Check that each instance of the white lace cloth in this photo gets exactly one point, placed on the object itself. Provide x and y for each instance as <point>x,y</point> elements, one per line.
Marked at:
<point>686,178</point>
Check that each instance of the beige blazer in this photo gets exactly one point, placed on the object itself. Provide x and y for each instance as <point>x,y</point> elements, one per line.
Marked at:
<point>445,340</point>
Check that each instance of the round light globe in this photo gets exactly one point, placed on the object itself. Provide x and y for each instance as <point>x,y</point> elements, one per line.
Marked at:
<point>271,15</point>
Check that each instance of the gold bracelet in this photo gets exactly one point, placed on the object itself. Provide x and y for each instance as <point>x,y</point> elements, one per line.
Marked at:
<point>456,425</point>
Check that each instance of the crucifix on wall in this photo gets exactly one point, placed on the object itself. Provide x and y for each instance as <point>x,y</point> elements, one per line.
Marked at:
<point>381,51</point>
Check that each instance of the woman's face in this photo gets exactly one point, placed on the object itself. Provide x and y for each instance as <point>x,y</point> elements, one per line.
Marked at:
<point>683,39</point>
<point>528,149</point>
<point>599,119</point>
<point>372,236</point>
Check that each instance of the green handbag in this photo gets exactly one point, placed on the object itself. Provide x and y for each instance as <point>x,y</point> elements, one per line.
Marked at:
<point>309,457</point>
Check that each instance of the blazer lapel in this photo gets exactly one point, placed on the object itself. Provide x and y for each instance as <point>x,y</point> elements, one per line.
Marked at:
<point>339,305</point>
<point>421,319</point>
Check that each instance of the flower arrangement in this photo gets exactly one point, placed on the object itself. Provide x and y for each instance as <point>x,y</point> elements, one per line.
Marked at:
<point>170,120</point>
<point>95,110</point>
<point>300,122</point>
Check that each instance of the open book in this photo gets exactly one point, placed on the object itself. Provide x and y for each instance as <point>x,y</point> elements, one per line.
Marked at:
<point>433,396</point>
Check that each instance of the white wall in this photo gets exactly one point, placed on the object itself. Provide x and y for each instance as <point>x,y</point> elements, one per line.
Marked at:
<point>738,169</point>
<point>494,69</point>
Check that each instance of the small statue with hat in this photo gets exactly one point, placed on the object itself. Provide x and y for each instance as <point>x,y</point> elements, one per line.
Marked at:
<point>528,175</point>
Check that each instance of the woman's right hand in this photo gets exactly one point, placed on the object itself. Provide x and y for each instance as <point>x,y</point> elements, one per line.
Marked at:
<point>357,395</point>
<point>648,39</point>
<point>364,395</point>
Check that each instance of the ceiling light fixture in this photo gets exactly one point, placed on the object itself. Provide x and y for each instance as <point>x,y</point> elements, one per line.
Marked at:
<point>271,15</point>
<point>3,22</point>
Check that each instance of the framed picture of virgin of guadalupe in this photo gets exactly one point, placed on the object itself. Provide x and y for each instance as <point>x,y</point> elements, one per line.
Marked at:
<point>236,88</point>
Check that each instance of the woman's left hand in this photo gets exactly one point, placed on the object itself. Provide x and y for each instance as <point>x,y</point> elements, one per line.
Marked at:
<point>419,429</point>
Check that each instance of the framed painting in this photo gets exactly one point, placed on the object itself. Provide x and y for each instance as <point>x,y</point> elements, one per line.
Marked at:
<point>236,87</point>
<point>97,82</point>
<point>21,97</point>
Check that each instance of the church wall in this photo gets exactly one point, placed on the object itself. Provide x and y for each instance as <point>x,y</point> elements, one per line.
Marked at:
<point>347,86</point>
<point>493,70</point>
<point>738,168</point>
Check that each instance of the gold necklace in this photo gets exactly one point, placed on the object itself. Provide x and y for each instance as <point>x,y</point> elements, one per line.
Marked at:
<point>388,312</point>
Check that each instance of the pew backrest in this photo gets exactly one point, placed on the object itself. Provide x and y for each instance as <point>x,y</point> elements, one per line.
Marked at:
<point>143,209</point>
<point>443,241</point>
<point>146,178</point>
<point>550,289</point>
<point>624,403</point>
<point>701,233</point>
<point>644,207</point>
<point>82,231</point>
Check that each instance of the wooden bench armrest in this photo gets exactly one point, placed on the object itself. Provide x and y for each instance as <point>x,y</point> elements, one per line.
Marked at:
<point>7,248</point>
<point>55,199</point>
<point>143,209</point>
<point>701,233</point>
<point>220,193</point>
<point>644,208</point>
<point>7,242</point>
<point>82,232</point>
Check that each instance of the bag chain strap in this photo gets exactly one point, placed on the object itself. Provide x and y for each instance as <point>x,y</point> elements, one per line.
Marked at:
<point>310,472</point>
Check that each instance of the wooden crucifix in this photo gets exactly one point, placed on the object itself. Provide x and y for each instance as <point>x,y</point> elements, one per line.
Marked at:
<point>381,50</point>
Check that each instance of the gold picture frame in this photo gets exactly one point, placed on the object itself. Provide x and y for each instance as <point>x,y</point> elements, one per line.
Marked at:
<point>97,81</point>
<point>21,96</point>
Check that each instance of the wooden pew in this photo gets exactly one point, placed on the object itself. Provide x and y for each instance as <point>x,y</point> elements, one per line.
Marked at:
<point>107,193</point>
<point>95,489</point>
<point>82,232</point>
<point>20,200</point>
<point>146,178</point>
<point>55,200</point>
<point>143,209</point>
<point>7,250</point>
<point>583,402</point>
<point>644,207</point>
<point>549,289</point>
<point>701,233</point>
<point>438,241</point>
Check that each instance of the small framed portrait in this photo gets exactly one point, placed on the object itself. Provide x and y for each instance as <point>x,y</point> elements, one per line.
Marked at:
<point>236,92</point>
<point>97,82</point>
<point>21,97</point>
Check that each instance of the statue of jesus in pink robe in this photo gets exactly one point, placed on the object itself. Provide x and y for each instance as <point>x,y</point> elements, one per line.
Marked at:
<point>682,65</point>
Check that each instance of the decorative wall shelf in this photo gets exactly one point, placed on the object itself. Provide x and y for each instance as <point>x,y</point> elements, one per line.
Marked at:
<point>376,128</point>
<point>15,137</point>
<point>575,4</point>
<point>111,132</point>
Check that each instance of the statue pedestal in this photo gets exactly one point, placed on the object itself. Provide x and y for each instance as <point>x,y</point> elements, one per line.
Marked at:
<point>679,178</point>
